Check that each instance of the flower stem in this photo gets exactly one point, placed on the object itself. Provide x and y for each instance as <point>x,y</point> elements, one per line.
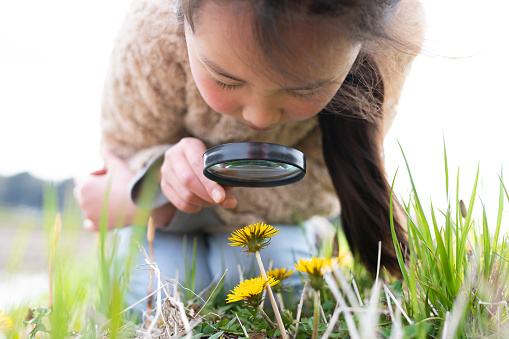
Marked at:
<point>266,317</point>
<point>280,301</point>
<point>316,314</point>
<point>271,297</point>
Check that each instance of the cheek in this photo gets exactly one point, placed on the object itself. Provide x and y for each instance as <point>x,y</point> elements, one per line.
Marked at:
<point>301,109</point>
<point>217,98</point>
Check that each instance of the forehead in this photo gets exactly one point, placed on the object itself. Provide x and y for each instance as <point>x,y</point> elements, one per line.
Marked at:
<point>300,49</point>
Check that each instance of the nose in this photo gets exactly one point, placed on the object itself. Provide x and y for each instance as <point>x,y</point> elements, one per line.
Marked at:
<point>262,115</point>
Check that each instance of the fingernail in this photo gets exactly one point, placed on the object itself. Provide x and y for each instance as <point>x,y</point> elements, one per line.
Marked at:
<point>88,225</point>
<point>216,195</point>
<point>229,202</point>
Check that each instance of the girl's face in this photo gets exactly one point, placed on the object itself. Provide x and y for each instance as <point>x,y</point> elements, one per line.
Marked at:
<point>226,62</point>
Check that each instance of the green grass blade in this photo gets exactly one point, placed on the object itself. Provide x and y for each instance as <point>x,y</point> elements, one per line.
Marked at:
<point>459,221</point>
<point>486,245</point>
<point>446,173</point>
<point>448,235</point>
<point>104,264</point>
<point>500,210</point>
<point>445,265</point>
<point>466,228</point>
<point>397,248</point>
<point>409,278</point>
<point>418,206</point>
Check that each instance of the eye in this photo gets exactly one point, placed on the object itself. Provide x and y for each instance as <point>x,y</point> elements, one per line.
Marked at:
<point>304,96</point>
<point>226,86</point>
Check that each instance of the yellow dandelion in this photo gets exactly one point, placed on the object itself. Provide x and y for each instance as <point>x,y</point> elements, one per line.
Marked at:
<point>254,237</point>
<point>345,258</point>
<point>313,267</point>
<point>5,322</point>
<point>279,274</point>
<point>250,290</point>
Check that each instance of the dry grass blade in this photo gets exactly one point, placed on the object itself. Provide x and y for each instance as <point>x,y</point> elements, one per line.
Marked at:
<point>217,285</point>
<point>396,329</point>
<point>347,289</point>
<point>453,318</point>
<point>272,299</point>
<point>397,303</point>
<point>369,320</point>
<point>334,319</point>
<point>241,325</point>
<point>183,320</point>
<point>143,299</point>
<point>299,309</point>
<point>356,289</point>
<point>334,288</point>
<point>151,229</point>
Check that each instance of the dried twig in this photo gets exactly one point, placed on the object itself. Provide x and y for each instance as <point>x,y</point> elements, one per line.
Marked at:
<point>150,238</point>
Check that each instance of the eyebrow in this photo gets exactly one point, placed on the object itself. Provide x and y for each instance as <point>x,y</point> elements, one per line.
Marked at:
<point>311,86</point>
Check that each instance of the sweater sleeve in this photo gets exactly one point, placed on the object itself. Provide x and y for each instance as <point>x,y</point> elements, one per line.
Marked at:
<point>143,102</point>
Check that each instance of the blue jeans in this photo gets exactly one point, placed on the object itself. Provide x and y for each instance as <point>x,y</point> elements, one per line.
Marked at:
<point>173,254</point>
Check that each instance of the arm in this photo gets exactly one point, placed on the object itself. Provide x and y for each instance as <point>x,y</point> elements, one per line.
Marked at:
<point>112,182</point>
<point>143,110</point>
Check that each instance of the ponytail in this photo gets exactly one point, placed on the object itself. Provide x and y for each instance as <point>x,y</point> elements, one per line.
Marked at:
<point>352,127</point>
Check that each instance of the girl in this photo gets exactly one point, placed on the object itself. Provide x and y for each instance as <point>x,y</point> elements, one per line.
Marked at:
<point>312,74</point>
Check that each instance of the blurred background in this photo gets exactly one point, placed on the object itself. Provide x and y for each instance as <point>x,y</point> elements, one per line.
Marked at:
<point>54,59</point>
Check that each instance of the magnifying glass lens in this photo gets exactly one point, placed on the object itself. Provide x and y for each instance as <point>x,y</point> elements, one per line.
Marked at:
<point>254,164</point>
<point>254,170</point>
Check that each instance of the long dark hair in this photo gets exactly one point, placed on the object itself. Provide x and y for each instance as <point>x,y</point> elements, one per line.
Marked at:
<point>352,127</point>
<point>353,122</point>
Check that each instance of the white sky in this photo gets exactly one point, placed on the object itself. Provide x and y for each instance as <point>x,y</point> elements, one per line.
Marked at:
<point>54,55</point>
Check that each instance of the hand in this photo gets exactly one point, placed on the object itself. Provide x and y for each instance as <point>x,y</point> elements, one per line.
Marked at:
<point>90,193</point>
<point>183,182</point>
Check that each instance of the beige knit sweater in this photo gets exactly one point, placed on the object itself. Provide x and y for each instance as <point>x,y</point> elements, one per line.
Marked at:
<point>151,101</point>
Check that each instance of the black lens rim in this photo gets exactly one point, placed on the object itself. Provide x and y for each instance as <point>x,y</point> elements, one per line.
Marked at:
<point>254,151</point>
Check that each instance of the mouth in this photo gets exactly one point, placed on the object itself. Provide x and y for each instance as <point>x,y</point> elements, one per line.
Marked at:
<point>260,129</point>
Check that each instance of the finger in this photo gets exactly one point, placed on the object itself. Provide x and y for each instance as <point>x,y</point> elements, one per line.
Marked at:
<point>175,188</point>
<point>229,201</point>
<point>188,184</point>
<point>178,201</point>
<point>208,189</point>
<point>179,173</point>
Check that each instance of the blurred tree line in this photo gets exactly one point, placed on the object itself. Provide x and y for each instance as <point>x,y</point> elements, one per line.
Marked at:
<point>25,190</point>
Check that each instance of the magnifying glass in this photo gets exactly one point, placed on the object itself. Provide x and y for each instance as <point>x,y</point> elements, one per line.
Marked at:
<point>254,164</point>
